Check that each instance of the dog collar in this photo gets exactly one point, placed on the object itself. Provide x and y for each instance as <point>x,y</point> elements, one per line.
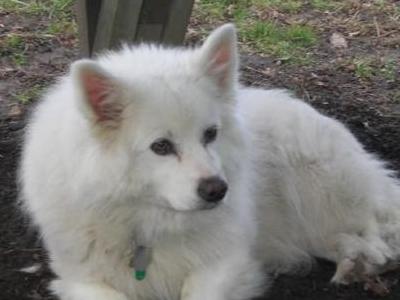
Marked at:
<point>140,260</point>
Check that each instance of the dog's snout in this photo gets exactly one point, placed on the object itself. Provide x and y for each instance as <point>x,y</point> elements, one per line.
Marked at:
<point>212,189</point>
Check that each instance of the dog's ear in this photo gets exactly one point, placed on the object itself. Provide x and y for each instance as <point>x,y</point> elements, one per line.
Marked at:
<point>219,57</point>
<point>99,93</point>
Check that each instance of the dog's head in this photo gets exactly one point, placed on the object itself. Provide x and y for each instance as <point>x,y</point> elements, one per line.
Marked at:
<point>172,113</point>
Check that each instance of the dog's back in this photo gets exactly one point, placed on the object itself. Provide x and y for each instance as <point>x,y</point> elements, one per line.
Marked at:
<point>319,193</point>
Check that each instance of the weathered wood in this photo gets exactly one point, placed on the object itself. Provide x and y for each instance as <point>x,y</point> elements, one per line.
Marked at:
<point>152,20</point>
<point>178,19</point>
<point>151,33</point>
<point>117,23</point>
<point>87,13</point>
<point>128,17</point>
<point>104,24</point>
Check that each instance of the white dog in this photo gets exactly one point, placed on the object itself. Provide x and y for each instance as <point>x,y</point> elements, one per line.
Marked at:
<point>151,175</point>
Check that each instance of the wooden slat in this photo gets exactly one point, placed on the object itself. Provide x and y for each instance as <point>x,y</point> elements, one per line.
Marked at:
<point>117,23</point>
<point>104,24</point>
<point>152,20</point>
<point>151,33</point>
<point>178,19</point>
<point>128,17</point>
<point>87,12</point>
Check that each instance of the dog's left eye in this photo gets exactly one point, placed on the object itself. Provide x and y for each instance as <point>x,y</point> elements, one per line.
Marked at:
<point>209,135</point>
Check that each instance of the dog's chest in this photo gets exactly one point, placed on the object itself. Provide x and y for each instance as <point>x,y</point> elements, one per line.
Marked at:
<point>169,263</point>
<point>167,271</point>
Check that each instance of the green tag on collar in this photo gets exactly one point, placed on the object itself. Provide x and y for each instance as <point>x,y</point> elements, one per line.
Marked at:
<point>140,275</point>
<point>140,261</point>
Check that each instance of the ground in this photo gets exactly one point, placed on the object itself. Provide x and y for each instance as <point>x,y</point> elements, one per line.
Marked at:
<point>342,57</point>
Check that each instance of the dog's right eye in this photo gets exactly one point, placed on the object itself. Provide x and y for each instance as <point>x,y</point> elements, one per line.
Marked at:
<point>163,147</point>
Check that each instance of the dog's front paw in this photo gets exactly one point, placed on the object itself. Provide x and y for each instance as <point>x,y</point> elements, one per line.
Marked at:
<point>355,270</point>
<point>361,258</point>
<point>344,272</point>
<point>67,290</point>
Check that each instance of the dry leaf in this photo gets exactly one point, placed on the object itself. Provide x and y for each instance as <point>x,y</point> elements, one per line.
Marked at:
<point>269,72</point>
<point>31,269</point>
<point>337,40</point>
<point>15,111</point>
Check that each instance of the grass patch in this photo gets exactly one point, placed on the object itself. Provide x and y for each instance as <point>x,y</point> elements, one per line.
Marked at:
<point>53,8</point>
<point>62,26</point>
<point>380,3</point>
<point>364,68</point>
<point>395,96</point>
<point>12,45</point>
<point>289,6</point>
<point>12,41</point>
<point>287,43</point>
<point>294,6</point>
<point>29,94</point>
<point>324,5</point>
<point>389,69</point>
<point>59,13</point>
<point>19,59</point>
<point>211,11</point>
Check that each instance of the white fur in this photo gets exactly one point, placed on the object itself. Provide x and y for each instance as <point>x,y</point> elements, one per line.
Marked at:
<point>319,193</point>
<point>300,185</point>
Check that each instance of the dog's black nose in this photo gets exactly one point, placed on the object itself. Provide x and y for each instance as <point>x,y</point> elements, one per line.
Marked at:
<point>212,189</point>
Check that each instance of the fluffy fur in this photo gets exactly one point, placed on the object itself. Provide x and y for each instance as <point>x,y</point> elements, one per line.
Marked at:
<point>300,185</point>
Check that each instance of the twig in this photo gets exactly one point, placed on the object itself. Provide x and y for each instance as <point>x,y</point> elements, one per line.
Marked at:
<point>355,15</point>
<point>21,250</point>
<point>388,33</point>
<point>378,30</point>
<point>254,69</point>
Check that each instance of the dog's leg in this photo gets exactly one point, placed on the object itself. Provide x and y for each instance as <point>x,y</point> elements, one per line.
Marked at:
<point>68,290</point>
<point>234,278</point>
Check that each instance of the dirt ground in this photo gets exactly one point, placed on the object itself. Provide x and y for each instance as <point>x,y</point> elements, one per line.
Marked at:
<point>368,105</point>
